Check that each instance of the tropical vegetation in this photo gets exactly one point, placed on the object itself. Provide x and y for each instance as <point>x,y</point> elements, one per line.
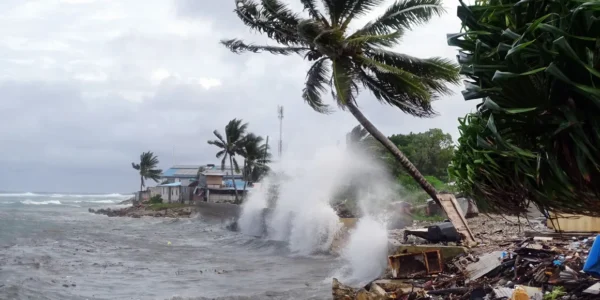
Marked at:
<point>147,168</point>
<point>536,134</point>
<point>346,59</point>
<point>247,145</point>
<point>431,152</point>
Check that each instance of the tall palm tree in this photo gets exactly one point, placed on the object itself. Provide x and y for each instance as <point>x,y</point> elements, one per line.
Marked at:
<point>147,168</point>
<point>232,144</point>
<point>343,60</point>
<point>257,156</point>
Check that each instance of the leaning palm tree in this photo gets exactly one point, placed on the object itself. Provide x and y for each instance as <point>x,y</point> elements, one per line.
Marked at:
<point>344,60</point>
<point>147,168</point>
<point>232,144</point>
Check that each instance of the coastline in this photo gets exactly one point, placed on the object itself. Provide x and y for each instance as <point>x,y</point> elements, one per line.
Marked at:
<point>142,210</point>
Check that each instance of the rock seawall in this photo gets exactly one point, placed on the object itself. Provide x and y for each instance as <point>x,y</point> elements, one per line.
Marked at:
<point>144,211</point>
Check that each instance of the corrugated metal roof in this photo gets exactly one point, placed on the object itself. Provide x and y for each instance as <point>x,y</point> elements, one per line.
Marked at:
<point>171,184</point>
<point>219,172</point>
<point>169,172</point>
<point>186,172</point>
<point>187,166</point>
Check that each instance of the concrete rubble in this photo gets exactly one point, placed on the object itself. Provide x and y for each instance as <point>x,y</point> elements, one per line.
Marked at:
<point>507,264</point>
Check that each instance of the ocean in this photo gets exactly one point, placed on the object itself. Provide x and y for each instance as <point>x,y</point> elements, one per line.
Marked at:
<point>51,247</point>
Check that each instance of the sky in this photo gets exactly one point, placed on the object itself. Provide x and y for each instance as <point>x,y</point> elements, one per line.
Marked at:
<point>87,85</point>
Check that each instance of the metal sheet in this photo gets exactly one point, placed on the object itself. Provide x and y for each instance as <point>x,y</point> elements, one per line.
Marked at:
<point>486,264</point>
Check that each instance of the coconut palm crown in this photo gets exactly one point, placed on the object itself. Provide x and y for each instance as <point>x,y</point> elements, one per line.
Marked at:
<point>347,60</point>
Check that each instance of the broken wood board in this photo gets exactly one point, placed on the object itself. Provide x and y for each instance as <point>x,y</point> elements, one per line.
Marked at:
<point>573,223</point>
<point>559,235</point>
<point>455,215</point>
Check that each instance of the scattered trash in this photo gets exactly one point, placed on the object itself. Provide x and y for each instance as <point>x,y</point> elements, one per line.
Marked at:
<point>532,268</point>
<point>414,265</point>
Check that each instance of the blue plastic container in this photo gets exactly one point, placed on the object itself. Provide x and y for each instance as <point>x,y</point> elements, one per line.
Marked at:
<point>592,263</point>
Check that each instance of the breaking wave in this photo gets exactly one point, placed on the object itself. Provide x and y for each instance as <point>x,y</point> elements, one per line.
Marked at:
<point>31,202</point>
<point>30,194</point>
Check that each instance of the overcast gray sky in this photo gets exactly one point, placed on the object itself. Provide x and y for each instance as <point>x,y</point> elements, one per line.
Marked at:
<point>87,85</point>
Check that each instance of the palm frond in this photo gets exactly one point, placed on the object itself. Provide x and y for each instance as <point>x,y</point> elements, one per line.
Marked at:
<point>220,137</point>
<point>135,166</point>
<point>409,82</point>
<point>343,86</point>
<point>148,160</point>
<point>358,8</point>
<point>257,18</point>
<point>223,162</point>
<point>277,11</point>
<point>217,143</point>
<point>386,40</point>
<point>154,174</point>
<point>313,12</point>
<point>387,89</point>
<point>221,153</point>
<point>238,46</point>
<point>403,14</point>
<point>316,79</point>
<point>235,132</point>
<point>431,68</point>
<point>236,166</point>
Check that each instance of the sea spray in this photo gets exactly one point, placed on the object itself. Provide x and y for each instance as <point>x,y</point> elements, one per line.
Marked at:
<point>366,251</point>
<point>251,221</point>
<point>303,215</point>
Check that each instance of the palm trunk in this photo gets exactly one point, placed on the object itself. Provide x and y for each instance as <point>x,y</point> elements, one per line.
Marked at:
<point>245,177</point>
<point>398,155</point>
<point>233,180</point>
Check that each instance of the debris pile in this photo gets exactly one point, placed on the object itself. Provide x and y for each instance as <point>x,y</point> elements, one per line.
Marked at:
<point>549,267</point>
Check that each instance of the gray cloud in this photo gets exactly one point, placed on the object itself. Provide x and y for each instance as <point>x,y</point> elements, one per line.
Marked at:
<point>87,87</point>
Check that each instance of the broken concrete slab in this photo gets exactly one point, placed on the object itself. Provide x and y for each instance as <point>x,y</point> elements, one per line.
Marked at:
<point>447,252</point>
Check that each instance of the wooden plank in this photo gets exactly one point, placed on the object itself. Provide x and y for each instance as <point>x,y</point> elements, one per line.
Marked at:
<point>559,235</point>
<point>574,223</point>
<point>455,215</point>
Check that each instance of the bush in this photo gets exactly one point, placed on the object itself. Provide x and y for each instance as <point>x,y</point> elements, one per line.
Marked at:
<point>156,199</point>
<point>164,206</point>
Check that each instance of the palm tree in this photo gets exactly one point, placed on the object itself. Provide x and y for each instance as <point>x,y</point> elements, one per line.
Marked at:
<point>344,60</point>
<point>232,144</point>
<point>257,156</point>
<point>147,168</point>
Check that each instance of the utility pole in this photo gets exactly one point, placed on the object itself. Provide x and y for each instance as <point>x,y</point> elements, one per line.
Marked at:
<point>280,116</point>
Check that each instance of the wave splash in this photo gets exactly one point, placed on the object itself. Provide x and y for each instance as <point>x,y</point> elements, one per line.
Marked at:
<point>303,215</point>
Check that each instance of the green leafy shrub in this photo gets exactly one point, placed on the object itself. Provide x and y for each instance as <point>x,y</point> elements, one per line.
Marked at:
<point>156,199</point>
<point>536,134</point>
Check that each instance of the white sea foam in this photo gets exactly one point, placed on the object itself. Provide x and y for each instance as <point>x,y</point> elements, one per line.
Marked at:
<point>31,202</point>
<point>29,194</point>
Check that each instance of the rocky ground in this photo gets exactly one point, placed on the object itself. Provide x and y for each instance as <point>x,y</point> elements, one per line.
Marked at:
<point>143,210</point>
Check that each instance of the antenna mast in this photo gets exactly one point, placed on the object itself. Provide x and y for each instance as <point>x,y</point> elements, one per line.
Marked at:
<point>280,116</point>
